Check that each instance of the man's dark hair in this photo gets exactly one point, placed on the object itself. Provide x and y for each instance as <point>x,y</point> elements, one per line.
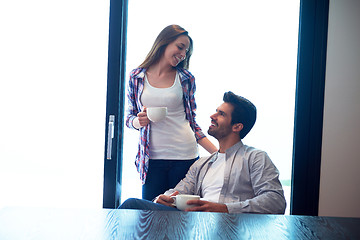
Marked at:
<point>244,112</point>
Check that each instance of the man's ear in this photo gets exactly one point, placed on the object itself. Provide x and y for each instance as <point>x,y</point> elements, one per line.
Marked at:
<point>237,127</point>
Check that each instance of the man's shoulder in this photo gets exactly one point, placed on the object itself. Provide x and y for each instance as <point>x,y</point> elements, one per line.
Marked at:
<point>249,152</point>
<point>250,149</point>
<point>254,155</point>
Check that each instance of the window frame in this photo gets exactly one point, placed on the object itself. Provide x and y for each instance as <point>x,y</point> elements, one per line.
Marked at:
<point>115,101</point>
<point>309,104</point>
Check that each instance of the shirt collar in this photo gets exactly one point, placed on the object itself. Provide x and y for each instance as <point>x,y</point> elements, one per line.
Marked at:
<point>228,152</point>
<point>213,157</point>
<point>141,74</point>
<point>234,148</point>
<point>183,75</point>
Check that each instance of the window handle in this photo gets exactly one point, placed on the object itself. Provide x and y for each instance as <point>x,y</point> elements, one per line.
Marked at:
<point>110,136</point>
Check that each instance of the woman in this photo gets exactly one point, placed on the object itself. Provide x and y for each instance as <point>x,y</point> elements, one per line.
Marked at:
<point>166,148</point>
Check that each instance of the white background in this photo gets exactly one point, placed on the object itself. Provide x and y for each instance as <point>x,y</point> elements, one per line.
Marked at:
<point>53,60</point>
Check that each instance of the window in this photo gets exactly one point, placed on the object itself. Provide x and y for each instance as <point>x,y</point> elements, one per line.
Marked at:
<point>248,48</point>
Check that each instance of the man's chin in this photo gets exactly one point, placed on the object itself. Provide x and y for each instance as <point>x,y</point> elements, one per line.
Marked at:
<point>211,133</point>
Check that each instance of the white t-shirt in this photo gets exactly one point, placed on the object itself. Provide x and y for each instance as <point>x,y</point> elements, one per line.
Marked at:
<point>171,138</point>
<point>214,179</point>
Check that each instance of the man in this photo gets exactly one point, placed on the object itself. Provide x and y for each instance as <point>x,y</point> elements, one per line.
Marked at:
<point>236,179</point>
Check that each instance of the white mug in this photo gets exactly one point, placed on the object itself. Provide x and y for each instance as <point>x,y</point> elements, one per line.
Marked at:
<point>180,201</point>
<point>156,114</point>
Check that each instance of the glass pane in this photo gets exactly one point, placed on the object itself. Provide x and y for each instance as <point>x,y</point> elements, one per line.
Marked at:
<point>52,97</point>
<point>247,47</point>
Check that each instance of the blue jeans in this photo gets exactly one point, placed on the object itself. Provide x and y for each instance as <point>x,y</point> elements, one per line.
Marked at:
<point>163,175</point>
<point>141,204</point>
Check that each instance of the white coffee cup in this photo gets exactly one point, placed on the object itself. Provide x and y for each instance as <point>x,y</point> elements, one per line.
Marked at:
<point>180,201</point>
<point>156,114</point>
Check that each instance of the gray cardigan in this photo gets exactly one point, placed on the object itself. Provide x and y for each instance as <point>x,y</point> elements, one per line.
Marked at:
<point>251,181</point>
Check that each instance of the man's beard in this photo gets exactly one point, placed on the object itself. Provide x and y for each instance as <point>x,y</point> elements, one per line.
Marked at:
<point>219,133</point>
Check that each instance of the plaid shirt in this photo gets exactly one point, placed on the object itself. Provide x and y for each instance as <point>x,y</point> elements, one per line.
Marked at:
<point>135,89</point>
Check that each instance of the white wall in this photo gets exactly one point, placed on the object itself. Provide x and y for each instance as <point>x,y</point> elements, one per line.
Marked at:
<point>340,163</point>
<point>53,76</point>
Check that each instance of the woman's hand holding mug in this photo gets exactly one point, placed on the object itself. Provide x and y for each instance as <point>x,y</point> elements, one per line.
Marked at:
<point>142,118</point>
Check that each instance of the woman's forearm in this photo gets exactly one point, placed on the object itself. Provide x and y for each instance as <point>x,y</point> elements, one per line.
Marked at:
<point>207,145</point>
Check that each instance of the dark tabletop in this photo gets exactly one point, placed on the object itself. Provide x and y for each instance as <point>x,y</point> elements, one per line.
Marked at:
<point>49,223</point>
